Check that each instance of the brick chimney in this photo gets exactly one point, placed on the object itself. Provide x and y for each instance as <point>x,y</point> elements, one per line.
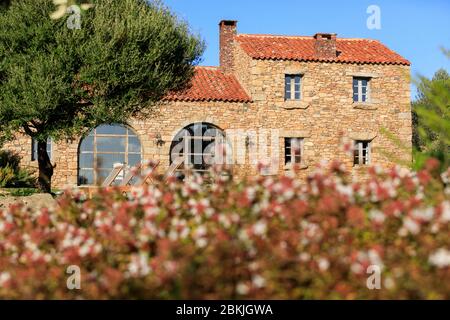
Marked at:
<point>227,32</point>
<point>325,45</point>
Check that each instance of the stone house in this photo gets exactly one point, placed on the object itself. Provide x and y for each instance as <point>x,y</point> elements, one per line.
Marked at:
<point>311,94</point>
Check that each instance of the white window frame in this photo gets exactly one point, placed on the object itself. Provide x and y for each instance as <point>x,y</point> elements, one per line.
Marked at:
<point>291,151</point>
<point>360,86</point>
<point>292,87</point>
<point>359,147</point>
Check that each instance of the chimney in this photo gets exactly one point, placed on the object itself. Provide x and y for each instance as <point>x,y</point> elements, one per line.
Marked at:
<point>325,45</point>
<point>227,32</point>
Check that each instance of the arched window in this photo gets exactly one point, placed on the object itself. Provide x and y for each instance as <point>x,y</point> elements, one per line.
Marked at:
<point>104,147</point>
<point>196,144</point>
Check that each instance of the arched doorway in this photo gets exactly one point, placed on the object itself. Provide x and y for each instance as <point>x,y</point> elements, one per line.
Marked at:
<point>105,146</point>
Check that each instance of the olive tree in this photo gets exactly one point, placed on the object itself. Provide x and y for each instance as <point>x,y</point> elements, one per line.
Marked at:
<point>60,82</point>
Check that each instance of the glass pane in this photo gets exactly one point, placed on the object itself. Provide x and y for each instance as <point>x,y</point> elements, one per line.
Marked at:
<point>134,159</point>
<point>34,149</point>
<point>102,174</point>
<point>111,129</point>
<point>86,160</point>
<point>355,97</point>
<point>131,133</point>
<point>297,87</point>
<point>287,88</point>
<point>86,177</point>
<point>355,82</point>
<point>134,145</point>
<point>111,144</point>
<point>49,147</point>
<point>287,80</point>
<point>107,161</point>
<point>364,82</point>
<point>287,150</point>
<point>87,144</point>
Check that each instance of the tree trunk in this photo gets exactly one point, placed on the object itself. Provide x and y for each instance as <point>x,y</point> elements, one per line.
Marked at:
<point>45,168</point>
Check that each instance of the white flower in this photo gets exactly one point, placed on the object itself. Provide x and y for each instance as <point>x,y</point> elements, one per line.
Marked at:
<point>440,258</point>
<point>423,214</point>
<point>84,250</point>
<point>260,228</point>
<point>375,258</point>
<point>258,281</point>
<point>356,268</point>
<point>200,232</point>
<point>201,243</point>
<point>377,216</point>
<point>411,225</point>
<point>389,283</point>
<point>445,217</point>
<point>4,278</point>
<point>305,257</point>
<point>242,288</point>
<point>323,263</point>
<point>173,235</point>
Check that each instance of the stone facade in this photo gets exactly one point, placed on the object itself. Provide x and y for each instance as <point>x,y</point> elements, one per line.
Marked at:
<point>324,117</point>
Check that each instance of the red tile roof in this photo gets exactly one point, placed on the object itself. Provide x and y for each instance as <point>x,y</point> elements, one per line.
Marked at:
<point>211,84</point>
<point>302,49</point>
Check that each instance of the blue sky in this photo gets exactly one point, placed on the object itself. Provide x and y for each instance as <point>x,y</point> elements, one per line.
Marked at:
<point>415,29</point>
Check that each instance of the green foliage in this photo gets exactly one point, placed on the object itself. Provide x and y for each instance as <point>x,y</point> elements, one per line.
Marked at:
<point>11,175</point>
<point>23,192</point>
<point>6,176</point>
<point>431,119</point>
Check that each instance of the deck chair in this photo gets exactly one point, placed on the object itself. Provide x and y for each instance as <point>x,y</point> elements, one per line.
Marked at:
<point>125,186</point>
<point>148,173</point>
<point>130,175</point>
<point>173,167</point>
<point>113,175</point>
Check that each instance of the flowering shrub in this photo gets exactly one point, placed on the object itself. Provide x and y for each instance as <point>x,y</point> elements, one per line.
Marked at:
<point>260,238</point>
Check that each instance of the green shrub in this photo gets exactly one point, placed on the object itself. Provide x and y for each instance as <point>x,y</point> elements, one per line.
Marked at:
<point>11,175</point>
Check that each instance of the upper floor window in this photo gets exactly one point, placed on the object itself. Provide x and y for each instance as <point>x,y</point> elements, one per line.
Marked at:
<point>361,89</point>
<point>362,152</point>
<point>292,150</point>
<point>34,149</point>
<point>292,87</point>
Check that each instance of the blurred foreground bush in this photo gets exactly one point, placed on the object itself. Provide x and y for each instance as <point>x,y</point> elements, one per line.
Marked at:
<point>262,238</point>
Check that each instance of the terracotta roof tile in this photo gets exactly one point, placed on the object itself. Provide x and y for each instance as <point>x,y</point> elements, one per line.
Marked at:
<point>211,84</point>
<point>302,49</point>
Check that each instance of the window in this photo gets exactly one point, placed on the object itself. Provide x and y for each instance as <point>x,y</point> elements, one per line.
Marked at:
<point>293,150</point>
<point>361,153</point>
<point>104,147</point>
<point>197,143</point>
<point>361,89</point>
<point>292,87</point>
<point>34,149</point>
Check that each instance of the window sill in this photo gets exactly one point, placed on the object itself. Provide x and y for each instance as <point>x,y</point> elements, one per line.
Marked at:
<point>361,166</point>
<point>295,104</point>
<point>301,166</point>
<point>364,106</point>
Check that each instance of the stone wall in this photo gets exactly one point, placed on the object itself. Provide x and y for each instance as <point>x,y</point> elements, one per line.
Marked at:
<point>325,117</point>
